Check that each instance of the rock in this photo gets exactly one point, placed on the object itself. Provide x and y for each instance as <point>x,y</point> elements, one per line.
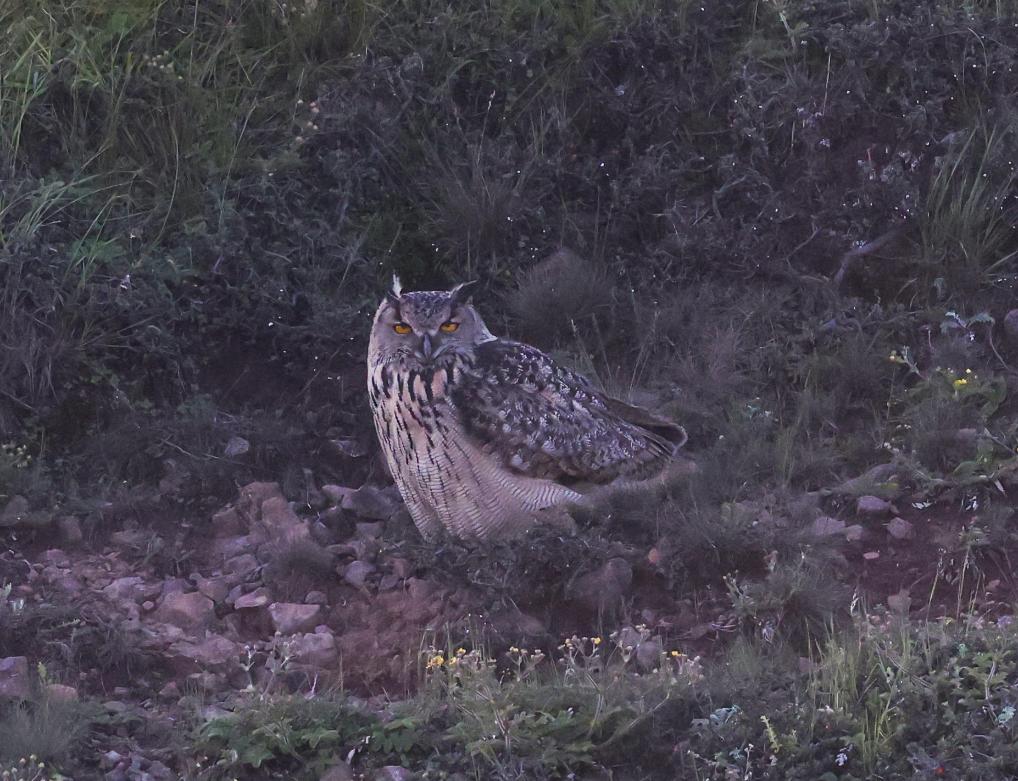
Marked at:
<point>854,533</point>
<point>215,652</point>
<point>872,505</point>
<point>648,654</point>
<point>70,530</point>
<point>317,649</point>
<point>58,692</point>
<point>132,589</point>
<point>336,493</point>
<point>900,529</point>
<point>370,502</point>
<point>110,759</point>
<point>357,572</point>
<point>174,586</point>
<point>828,527</point>
<point>900,602</point>
<point>289,618</point>
<point>243,566</point>
<point>170,692</point>
<point>401,568</point>
<point>228,523</point>
<point>605,587</point>
<point>187,611</point>
<point>236,446</point>
<point>131,538</point>
<point>263,507</point>
<point>215,589</point>
<point>389,582</point>
<point>347,448</point>
<point>369,530</point>
<point>513,627</point>
<point>14,681</point>
<point>1011,326</point>
<point>14,511</point>
<point>206,682</point>
<point>340,772</point>
<point>394,773</point>
<point>316,598</point>
<point>281,522</point>
<point>260,597</point>
<point>56,557</point>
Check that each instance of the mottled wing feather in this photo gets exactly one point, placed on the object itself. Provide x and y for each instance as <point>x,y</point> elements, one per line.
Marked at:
<point>543,420</point>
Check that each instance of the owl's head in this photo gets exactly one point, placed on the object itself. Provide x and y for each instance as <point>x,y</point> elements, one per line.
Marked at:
<point>426,329</point>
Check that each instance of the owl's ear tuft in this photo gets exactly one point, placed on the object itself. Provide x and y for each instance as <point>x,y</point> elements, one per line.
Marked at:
<point>462,293</point>
<point>397,290</point>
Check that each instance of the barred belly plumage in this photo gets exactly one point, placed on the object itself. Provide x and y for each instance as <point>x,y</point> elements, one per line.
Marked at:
<point>447,480</point>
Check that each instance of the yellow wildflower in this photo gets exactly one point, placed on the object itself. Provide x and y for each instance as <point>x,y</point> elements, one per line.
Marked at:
<point>436,661</point>
<point>961,382</point>
<point>596,640</point>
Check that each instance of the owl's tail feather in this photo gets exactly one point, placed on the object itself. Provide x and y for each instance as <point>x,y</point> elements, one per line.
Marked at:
<point>671,436</point>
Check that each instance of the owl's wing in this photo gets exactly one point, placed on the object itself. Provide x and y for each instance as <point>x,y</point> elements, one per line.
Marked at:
<point>543,420</point>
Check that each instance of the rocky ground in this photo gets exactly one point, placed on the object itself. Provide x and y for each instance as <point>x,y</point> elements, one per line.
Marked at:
<point>260,597</point>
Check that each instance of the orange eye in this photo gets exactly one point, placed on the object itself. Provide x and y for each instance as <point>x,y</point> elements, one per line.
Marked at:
<point>402,329</point>
<point>449,326</point>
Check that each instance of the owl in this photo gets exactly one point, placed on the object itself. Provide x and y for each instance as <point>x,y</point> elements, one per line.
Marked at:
<point>482,434</point>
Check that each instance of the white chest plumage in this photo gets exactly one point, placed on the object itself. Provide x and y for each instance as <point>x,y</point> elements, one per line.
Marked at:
<point>447,479</point>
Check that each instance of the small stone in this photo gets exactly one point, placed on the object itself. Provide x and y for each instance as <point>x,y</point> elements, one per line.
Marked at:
<point>110,760</point>
<point>900,602</point>
<point>394,773</point>
<point>187,611</point>
<point>872,505</point>
<point>369,530</point>
<point>389,582</point>
<point>228,523</point>
<point>215,652</point>
<point>15,683</point>
<point>336,493</point>
<point>260,597</point>
<point>70,530</point>
<point>370,502</point>
<point>244,565</point>
<point>401,568</point>
<point>854,533</point>
<point>215,589</point>
<point>605,587</point>
<point>317,649</point>
<point>348,448</point>
<point>648,654</point>
<point>289,618</point>
<point>56,557</point>
<point>170,692</point>
<point>900,529</point>
<point>871,555</point>
<point>357,572</point>
<point>316,598</point>
<point>58,692</point>
<point>825,526</point>
<point>131,538</point>
<point>236,446</point>
<point>1011,325</point>
<point>15,511</point>
<point>340,772</point>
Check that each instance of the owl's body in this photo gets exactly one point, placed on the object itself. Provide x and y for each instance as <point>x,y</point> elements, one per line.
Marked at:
<point>482,433</point>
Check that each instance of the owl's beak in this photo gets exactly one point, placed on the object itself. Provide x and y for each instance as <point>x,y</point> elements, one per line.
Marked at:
<point>426,349</point>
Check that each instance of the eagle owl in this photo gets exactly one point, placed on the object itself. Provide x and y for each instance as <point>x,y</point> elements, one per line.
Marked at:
<point>481,433</point>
